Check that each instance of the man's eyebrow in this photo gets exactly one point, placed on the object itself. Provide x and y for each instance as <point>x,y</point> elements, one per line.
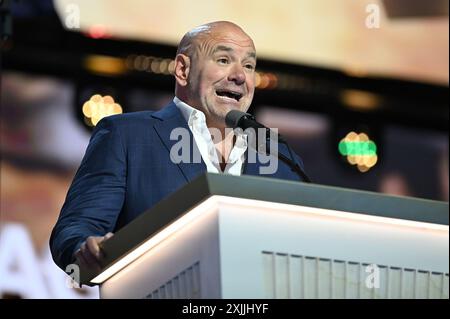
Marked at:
<point>251,54</point>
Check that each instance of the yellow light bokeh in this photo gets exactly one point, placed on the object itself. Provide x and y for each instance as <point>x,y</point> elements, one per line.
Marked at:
<point>371,160</point>
<point>351,159</point>
<point>363,137</point>
<point>154,67</point>
<point>171,67</point>
<point>363,168</point>
<point>163,66</point>
<point>351,137</point>
<point>99,107</point>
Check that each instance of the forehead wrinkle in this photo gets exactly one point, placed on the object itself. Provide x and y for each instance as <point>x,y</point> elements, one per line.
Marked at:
<point>206,46</point>
<point>213,44</point>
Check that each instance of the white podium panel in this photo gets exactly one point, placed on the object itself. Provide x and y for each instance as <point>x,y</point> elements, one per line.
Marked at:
<point>229,247</point>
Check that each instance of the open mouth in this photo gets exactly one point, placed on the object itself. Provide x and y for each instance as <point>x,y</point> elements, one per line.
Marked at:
<point>229,94</point>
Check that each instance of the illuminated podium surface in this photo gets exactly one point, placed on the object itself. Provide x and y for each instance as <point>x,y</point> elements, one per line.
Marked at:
<point>224,236</point>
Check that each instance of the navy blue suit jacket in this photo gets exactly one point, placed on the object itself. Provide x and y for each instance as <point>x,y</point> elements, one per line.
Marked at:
<point>126,170</point>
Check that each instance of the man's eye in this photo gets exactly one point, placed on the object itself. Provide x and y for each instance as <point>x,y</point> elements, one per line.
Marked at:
<point>250,66</point>
<point>223,61</point>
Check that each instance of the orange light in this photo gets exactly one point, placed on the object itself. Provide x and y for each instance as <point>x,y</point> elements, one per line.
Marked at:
<point>273,81</point>
<point>106,65</point>
<point>257,79</point>
<point>360,100</point>
<point>264,81</point>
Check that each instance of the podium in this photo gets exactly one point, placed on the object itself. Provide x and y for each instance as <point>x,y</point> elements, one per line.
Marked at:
<point>223,236</point>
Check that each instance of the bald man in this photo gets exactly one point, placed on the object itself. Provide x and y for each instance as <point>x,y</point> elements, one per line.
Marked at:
<point>132,161</point>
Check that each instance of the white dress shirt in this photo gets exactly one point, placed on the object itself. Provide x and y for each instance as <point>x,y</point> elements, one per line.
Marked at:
<point>197,124</point>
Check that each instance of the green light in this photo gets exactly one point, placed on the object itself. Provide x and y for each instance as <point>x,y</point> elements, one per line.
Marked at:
<point>357,148</point>
<point>342,148</point>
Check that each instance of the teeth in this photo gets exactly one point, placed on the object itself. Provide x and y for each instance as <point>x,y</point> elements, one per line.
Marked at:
<point>236,96</point>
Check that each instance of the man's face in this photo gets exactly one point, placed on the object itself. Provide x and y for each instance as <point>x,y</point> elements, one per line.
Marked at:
<point>222,73</point>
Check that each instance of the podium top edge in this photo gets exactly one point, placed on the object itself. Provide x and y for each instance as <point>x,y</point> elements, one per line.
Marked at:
<point>327,197</point>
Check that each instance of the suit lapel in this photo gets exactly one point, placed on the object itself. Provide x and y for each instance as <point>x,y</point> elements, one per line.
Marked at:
<point>254,167</point>
<point>170,118</point>
<point>251,168</point>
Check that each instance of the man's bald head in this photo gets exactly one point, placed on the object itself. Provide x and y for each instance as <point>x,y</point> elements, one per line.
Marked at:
<point>215,70</point>
<point>194,37</point>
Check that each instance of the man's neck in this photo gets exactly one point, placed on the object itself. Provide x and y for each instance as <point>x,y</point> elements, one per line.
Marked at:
<point>223,143</point>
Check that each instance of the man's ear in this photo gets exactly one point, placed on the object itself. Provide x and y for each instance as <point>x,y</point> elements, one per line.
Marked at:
<point>182,67</point>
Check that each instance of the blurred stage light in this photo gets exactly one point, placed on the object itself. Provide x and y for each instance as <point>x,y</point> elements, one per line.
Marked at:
<point>356,71</point>
<point>154,67</point>
<point>264,81</point>
<point>105,65</point>
<point>273,81</point>
<point>257,79</point>
<point>171,67</point>
<point>166,66</point>
<point>360,100</point>
<point>359,150</point>
<point>163,66</point>
<point>150,64</point>
<point>99,107</point>
<point>98,31</point>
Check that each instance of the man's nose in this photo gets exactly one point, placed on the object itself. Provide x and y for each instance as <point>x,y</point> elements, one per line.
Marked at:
<point>237,75</point>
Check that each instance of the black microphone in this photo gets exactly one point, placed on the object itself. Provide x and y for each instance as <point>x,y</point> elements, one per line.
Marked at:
<point>237,119</point>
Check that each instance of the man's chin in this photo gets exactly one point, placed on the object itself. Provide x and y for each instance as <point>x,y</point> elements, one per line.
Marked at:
<point>229,108</point>
<point>233,106</point>
<point>221,110</point>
